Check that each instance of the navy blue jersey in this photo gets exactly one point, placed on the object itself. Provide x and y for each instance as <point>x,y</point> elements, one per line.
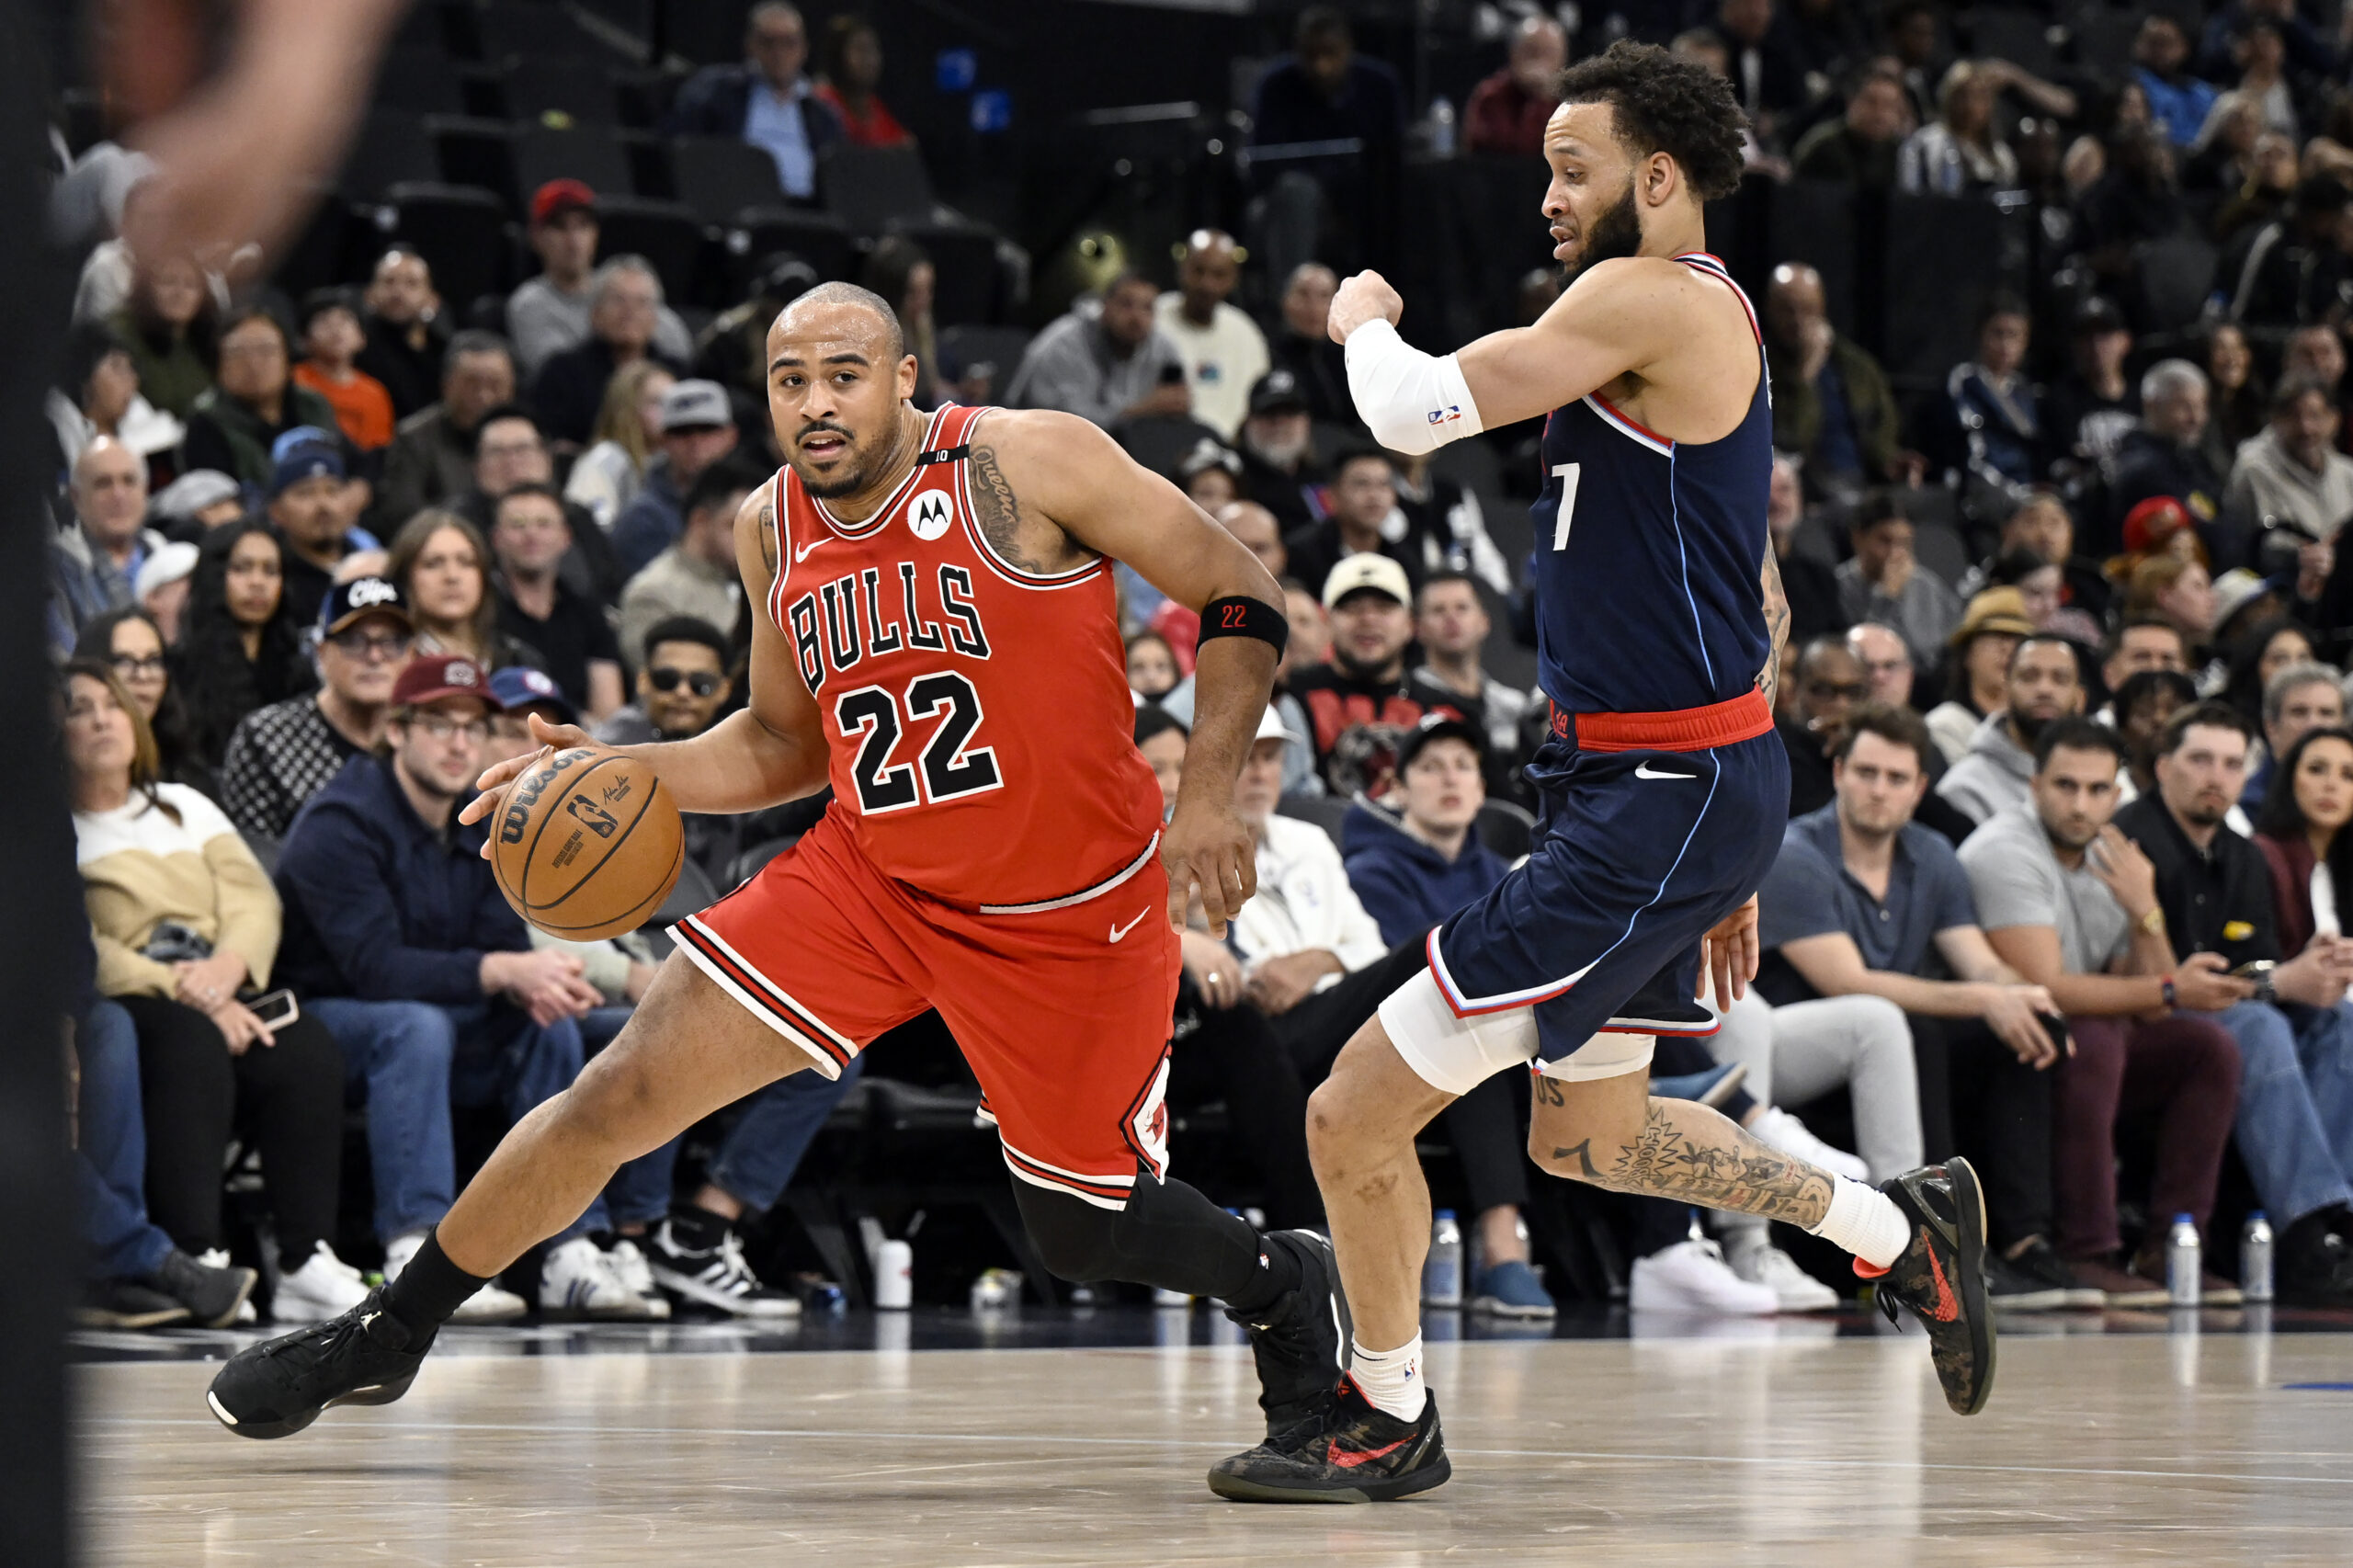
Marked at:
<point>1648,555</point>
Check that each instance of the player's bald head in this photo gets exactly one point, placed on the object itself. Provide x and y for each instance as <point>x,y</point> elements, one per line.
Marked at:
<point>840,313</point>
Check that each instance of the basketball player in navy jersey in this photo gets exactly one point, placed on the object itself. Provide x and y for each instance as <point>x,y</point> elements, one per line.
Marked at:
<point>1660,620</point>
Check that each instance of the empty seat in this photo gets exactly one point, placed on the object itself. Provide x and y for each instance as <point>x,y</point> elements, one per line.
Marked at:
<point>663,232</point>
<point>507,31</point>
<point>872,189</point>
<point>392,148</point>
<point>560,92</point>
<point>419,80</point>
<point>478,153</point>
<point>462,233</point>
<point>719,178</point>
<point>817,238</point>
<point>586,152</point>
<point>2022,37</point>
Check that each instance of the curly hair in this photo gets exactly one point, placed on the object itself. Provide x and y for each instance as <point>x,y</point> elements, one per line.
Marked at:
<point>1666,105</point>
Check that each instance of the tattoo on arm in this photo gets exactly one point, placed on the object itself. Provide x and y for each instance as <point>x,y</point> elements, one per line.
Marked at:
<point>767,539</point>
<point>1777,626</point>
<point>995,507</point>
<point>1710,1163</point>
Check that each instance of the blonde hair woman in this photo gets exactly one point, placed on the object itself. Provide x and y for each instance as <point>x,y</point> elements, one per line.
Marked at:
<point>611,473</point>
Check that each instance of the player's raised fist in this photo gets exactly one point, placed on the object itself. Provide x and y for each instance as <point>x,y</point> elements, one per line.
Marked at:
<point>551,738</point>
<point>1366,297</point>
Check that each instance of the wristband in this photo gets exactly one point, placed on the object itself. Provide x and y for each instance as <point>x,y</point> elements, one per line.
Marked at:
<point>2172,998</point>
<point>1238,617</point>
<point>2154,923</point>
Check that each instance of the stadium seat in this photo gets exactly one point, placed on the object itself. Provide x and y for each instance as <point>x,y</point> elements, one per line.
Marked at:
<point>719,176</point>
<point>474,151</point>
<point>1507,827</point>
<point>1812,221</point>
<point>969,348</point>
<point>817,238</point>
<point>506,32</point>
<point>1941,259</point>
<point>969,286</point>
<point>1938,547</point>
<point>663,232</point>
<point>333,248</point>
<point>558,92</point>
<point>392,148</point>
<point>2022,37</point>
<point>460,232</point>
<point>594,153</point>
<point>420,81</point>
<point>2173,278</point>
<point>872,189</point>
<point>1324,811</point>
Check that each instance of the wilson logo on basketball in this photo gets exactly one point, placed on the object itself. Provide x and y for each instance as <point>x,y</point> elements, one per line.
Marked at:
<point>931,514</point>
<point>517,814</point>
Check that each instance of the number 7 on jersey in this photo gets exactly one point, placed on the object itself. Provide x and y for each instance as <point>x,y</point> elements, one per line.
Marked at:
<point>1568,473</point>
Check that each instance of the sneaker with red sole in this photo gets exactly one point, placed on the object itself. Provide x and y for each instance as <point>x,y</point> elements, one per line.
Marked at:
<point>1356,1453</point>
<point>1941,1277</point>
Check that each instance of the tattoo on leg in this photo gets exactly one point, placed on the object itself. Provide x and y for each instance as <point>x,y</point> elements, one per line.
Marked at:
<point>1584,1155</point>
<point>1548,1091</point>
<point>1715,1166</point>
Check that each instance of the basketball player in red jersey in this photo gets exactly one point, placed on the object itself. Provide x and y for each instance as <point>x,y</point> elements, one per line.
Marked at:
<point>935,635</point>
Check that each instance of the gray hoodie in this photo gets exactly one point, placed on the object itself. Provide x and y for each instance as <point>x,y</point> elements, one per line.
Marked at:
<point>2267,486</point>
<point>1998,772</point>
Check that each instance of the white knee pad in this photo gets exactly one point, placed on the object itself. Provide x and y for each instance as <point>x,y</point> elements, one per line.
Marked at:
<point>1603,1056</point>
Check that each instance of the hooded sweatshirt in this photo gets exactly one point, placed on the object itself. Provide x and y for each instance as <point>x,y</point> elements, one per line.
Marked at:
<point>2270,486</point>
<point>1998,772</point>
<point>1404,884</point>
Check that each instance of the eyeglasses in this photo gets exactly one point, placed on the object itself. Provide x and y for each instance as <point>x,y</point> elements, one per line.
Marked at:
<point>702,683</point>
<point>1851,690</point>
<point>442,727</point>
<point>130,665</point>
<point>360,646</point>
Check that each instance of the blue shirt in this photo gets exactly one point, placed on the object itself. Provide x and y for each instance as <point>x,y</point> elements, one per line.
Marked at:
<point>1810,893</point>
<point>2179,107</point>
<point>775,123</point>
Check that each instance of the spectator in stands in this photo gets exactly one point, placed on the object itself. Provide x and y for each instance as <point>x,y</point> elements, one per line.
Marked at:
<point>242,648</point>
<point>2069,903</point>
<point>2039,687</point>
<point>1961,151</point>
<point>682,684</point>
<point>1279,466</point>
<point>1310,642</point>
<point>2259,199</point>
<point>281,755</point>
<point>611,473</point>
<point>440,563</point>
<point>2300,833</point>
<point>1360,704</point>
<point>549,313</point>
<point>309,506</point>
<point>195,503</point>
<point>2177,591</point>
<point>1993,433</point>
<point>431,460</point>
<point>1887,664</point>
<point>2177,101</point>
<point>1302,346</point>
<point>1363,497</point>
<point>2043,589</point>
<point>252,402</point>
<point>2289,270</point>
<point>170,324</point>
<point>697,576</point>
<point>406,336</point>
<point>129,643</point>
<point>1810,583</point>
<point>1977,671</point>
<point>2215,895</point>
<point>2163,455</point>
<point>575,646</point>
<point>698,429</point>
<point>2291,475</point>
<point>1162,742</point>
<point>2239,402</point>
<point>1766,73</point>
<point>902,273</point>
<point>332,339</point>
<point>1450,624</point>
<point>2298,698</point>
<point>2222,158</point>
<point>764,100</point>
<point>1325,92</point>
<point>851,66</point>
<point>624,316</point>
<point>508,452</point>
<point>2090,408</point>
<point>1826,684</point>
<point>732,348</point>
<point>1910,28</point>
<point>1256,528</point>
<point>1855,901</point>
<point>2142,704</point>
<point>1153,673</point>
<point>1507,111</point>
<point>187,929</point>
<point>1832,408</point>
<point>1860,147</point>
<point>1104,364</point>
<point>2137,201</point>
<point>1221,347</point>
<point>97,393</point>
<point>95,565</point>
<point>2141,646</point>
<point>2267,647</point>
<point>398,935</point>
<point>1885,582</point>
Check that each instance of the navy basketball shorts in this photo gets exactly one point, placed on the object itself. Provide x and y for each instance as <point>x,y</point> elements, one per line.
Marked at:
<point>1589,949</point>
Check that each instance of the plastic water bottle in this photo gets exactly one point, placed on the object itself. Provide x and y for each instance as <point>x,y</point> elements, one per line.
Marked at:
<point>1441,128</point>
<point>1442,1272</point>
<point>2182,1262</point>
<point>2255,1258</point>
<point>894,1282</point>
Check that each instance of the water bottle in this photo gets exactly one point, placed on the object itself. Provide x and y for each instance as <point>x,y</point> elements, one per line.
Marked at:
<point>1442,1272</point>
<point>1441,128</point>
<point>2255,1258</point>
<point>894,1283</point>
<point>2182,1262</point>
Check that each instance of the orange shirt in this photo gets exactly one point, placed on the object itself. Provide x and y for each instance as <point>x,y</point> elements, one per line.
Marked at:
<point>361,405</point>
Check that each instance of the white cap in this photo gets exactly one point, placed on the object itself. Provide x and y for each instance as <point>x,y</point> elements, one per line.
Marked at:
<point>165,564</point>
<point>1272,727</point>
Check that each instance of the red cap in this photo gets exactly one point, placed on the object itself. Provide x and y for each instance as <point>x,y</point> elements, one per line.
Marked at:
<point>429,677</point>
<point>558,197</point>
<point>2153,521</point>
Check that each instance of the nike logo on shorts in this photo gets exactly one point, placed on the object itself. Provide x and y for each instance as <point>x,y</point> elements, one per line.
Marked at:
<point>1645,770</point>
<point>1120,931</point>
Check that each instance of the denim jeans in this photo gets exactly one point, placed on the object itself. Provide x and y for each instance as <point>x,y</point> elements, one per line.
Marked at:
<point>2284,1134</point>
<point>756,1163</point>
<point>412,1061</point>
<point>111,1162</point>
<point>639,1193</point>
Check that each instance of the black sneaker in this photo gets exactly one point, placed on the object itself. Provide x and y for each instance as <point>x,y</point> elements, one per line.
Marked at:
<point>273,1390</point>
<point>1941,1277</point>
<point>211,1295</point>
<point>2013,1290</point>
<point>126,1303</point>
<point>1301,1338</point>
<point>1357,1453</point>
<point>2040,1260</point>
<point>2317,1271</point>
<point>715,1276</point>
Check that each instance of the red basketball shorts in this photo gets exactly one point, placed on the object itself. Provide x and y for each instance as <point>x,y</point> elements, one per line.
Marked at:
<point>1063,1013</point>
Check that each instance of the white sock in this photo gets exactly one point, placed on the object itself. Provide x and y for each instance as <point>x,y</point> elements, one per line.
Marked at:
<point>1391,1380</point>
<point>1865,1222</point>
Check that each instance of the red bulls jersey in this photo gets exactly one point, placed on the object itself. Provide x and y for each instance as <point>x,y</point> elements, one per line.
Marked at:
<point>981,731</point>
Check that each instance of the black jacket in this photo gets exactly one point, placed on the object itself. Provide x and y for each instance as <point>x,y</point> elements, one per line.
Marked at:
<point>2215,901</point>
<point>717,99</point>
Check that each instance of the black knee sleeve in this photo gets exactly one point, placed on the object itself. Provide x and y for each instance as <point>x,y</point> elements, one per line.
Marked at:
<point>1168,1236</point>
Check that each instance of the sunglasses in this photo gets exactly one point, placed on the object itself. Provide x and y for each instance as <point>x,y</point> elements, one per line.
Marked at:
<point>702,683</point>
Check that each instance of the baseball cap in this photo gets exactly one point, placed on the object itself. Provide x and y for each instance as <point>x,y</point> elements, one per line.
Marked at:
<point>1272,727</point>
<point>2233,591</point>
<point>2151,522</point>
<point>1439,724</point>
<point>1275,391</point>
<point>696,405</point>
<point>1376,572</point>
<point>519,686</point>
<point>165,564</point>
<point>346,602</point>
<point>785,277</point>
<point>305,459</point>
<point>194,491</point>
<point>432,676</point>
<point>558,197</point>
<point>2096,315</point>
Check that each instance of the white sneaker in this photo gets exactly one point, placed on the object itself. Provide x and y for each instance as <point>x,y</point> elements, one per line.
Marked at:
<point>323,1287</point>
<point>577,1280</point>
<point>489,1304</point>
<point>1692,1277</point>
<point>630,1267</point>
<point>1777,1128</point>
<point>1793,1288</point>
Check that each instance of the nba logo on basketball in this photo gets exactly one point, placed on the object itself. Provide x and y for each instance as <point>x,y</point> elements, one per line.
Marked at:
<point>931,513</point>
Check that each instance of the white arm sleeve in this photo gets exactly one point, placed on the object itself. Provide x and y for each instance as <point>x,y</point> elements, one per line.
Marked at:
<point>1412,402</point>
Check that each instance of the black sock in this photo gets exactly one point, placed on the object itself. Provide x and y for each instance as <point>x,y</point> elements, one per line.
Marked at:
<point>430,1287</point>
<point>1277,1274</point>
<point>696,1229</point>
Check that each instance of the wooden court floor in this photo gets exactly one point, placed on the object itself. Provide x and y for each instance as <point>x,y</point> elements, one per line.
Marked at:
<point>2115,1449</point>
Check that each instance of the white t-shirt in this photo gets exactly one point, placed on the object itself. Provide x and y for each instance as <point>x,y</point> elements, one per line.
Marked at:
<point>1221,359</point>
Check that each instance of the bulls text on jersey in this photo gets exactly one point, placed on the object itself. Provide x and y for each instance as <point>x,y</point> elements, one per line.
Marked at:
<point>929,608</point>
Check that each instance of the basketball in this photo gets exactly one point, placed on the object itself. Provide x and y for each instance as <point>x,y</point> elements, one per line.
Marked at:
<point>587,845</point>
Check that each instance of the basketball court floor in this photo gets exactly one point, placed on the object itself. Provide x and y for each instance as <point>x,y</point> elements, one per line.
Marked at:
<point>938,1438</point>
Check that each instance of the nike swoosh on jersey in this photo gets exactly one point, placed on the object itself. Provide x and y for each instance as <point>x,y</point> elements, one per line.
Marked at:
<point>800,551</point>
<point>1645,770</point>
<point>1120,931</point>
<point>1349,1458</point>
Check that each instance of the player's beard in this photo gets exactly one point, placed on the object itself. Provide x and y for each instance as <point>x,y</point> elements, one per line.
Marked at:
<point>848,480</point>
<point>1617,232</point>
